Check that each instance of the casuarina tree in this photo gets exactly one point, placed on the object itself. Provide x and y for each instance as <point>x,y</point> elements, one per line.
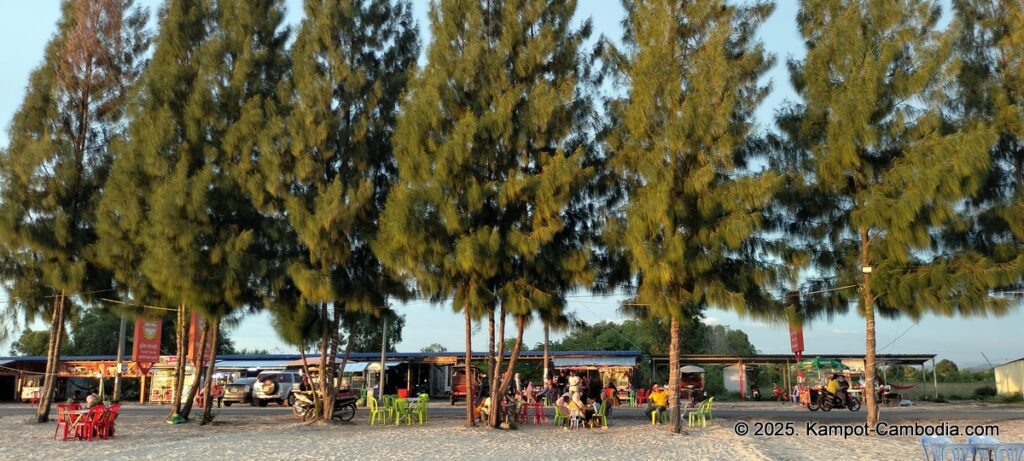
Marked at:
<point>351,61</point>
<point>876,173</point>
<point>688,229</point>
<point>488,169</point>
<point>57,160</point>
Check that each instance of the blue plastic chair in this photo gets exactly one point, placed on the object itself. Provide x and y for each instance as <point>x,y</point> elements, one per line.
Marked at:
<point>932,446</point>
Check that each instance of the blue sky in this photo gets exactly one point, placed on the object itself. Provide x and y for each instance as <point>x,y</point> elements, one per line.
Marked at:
<point>26,26</point>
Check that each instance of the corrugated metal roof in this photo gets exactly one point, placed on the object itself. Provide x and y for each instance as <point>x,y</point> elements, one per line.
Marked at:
<point>568,362</point>
<point>251,364</point>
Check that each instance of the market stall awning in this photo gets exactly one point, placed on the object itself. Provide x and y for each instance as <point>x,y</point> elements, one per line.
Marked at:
<point>251,364</point>
<point>375,366</point>
<point>580,362</point>
<point>691,369</point>
<point>356,367</point>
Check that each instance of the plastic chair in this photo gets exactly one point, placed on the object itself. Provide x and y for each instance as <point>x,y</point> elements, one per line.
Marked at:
<point>707,411</point>
<point>420,410</point>
<point>632,398</point>
<point>702,415</point>
<point>538,413</point>
<point>1010,452</point>
<point>376,412</point>
<point>106,429</point>
<point>402,410</point>
<point>659,417</point>
<point>932,446</point>
<point>641,396</point>
<point>560,418</point>
<point>575,416</point>
<point>87,429</point>
<point>63,419</point>
<point>601,416</point>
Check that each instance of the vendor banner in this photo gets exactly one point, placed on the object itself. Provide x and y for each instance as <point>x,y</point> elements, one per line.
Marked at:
<point>796,337</point>
<point>146,341</point>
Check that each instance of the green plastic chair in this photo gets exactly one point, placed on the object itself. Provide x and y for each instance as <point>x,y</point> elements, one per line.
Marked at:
<point>420,410</point>
<point>376,412</point>
<point>702,415</point>
<point>601,415</point>
<point>402,410</point>
<point>632,399</point>
<point>560,418</point>
<point>662,419</point>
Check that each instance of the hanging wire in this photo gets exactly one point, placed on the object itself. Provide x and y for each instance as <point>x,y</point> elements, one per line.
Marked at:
<point>144,306</point>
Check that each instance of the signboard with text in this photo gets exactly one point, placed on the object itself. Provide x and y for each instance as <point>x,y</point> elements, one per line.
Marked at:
<point>796,338</point>
<point>146,341</point>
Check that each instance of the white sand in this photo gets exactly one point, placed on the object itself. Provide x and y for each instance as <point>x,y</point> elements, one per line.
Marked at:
<point>267,437</point>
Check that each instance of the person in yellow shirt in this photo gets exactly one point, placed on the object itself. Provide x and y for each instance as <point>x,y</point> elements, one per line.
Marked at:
<point>833,385</point>
<point>658,400</point>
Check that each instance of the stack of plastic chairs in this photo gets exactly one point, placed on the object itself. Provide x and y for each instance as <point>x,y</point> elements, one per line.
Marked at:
<point>92,422</point>
<point>106,429</point>
<point>933,446</point>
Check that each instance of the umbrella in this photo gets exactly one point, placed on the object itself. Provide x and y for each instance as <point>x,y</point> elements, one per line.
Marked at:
<point>691,369</point>
<point>819,363</point>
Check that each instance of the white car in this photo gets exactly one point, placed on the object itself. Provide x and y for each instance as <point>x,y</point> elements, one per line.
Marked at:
<point>276,386</point>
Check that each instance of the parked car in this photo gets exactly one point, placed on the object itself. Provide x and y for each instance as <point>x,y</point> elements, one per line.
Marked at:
<point>276,386</point>
<point>239,391</point>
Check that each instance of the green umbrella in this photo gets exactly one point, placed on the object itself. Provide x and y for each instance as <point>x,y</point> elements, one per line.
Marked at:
<point>819,363</point>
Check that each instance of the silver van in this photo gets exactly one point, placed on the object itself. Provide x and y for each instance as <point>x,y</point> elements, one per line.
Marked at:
<point>276,386</point>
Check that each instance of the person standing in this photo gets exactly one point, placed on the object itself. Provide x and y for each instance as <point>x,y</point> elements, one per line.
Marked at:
<point>218,393</point>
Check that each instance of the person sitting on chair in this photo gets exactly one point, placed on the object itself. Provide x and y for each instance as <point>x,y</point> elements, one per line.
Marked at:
<point>657,401</point>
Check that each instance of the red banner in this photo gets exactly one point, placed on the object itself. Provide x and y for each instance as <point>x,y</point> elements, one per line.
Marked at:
<point>796,338</point>
<point>146,341</point>
<point>195,335</point>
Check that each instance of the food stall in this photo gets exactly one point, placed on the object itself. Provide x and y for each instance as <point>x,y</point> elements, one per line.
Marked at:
<point>691,385</point>
<point>614,371</point>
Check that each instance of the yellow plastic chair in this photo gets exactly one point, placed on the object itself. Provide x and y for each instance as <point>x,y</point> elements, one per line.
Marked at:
<point>420,410</point>
<point>402,411</point>
<point>601,416</point>
<point>702,415</point>
<point>376,412</point>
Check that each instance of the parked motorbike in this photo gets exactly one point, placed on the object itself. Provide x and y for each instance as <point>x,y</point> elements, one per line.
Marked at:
<point>827,401</point>
<point>344,406</point>
<point>778,393</point>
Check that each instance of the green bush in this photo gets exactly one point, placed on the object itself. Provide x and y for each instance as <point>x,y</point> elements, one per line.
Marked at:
<point>984,392</point>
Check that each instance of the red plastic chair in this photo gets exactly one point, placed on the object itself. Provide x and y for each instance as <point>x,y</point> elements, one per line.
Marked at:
<point>641,396</point>
<point>93,420</point>
<point>106,429</point>
<point>63,420</point>
<point>538,413</point>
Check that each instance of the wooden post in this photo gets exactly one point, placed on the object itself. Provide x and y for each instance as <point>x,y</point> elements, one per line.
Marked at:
<point>935,380</point>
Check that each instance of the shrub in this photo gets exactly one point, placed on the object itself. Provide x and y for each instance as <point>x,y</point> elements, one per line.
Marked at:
<point>984,392</point>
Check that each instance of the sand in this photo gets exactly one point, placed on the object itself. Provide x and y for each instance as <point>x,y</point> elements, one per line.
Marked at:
<point>279,436</point>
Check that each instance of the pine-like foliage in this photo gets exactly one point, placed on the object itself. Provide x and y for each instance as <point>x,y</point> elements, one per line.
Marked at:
<point>875,174</point>
<point>351,61</point>
<point>989,89</point>
<point>486,208</point>
<point>688,230</point>
<point>58,159</point>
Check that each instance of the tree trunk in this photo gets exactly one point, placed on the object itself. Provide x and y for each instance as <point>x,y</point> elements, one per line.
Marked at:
<point>867,302</point>
<point>490,342</point>
<point>52,360</point>
<point>344,358</point>
<point>674,421</point>
<point>506,380</point>
<point>547,358</point>
<point>496,397</point>
<point>469,367</point>
<point>305,369</point>
<point>329,348</point>
<point>208,385</point>
<point>186,409</point>
<point>179,366</point>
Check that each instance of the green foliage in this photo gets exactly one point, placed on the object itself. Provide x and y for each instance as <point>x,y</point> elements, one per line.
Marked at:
<point>59,155</point>
<point>96,333</point>
<point>33,342</point>
<point>984,392</point>
<point>946,367</point>
<point>367,333</point>
<point>677,147</point>
<point>489,173</point>
<point>435,347</point>
<point>651,337</point>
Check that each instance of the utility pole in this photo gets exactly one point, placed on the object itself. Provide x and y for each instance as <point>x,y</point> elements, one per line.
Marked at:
<point>383,351</point>
<point>120,361</point>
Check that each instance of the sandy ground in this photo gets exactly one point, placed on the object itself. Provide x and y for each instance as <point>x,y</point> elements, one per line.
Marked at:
<point>266,437</point>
